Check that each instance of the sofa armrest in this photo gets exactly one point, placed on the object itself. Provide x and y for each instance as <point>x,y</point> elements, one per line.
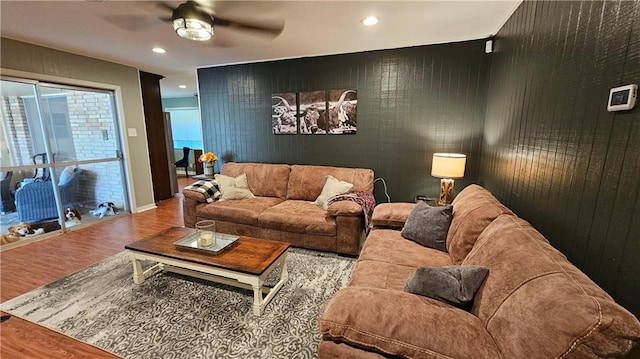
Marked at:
<point>350,222</point>
<point>391,215</point>
<point>404,324</point>
<point>196,196</point>
<point>344,208</point>
<point>189,211</point>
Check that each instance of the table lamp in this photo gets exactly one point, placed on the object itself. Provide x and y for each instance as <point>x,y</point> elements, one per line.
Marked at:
<point>447,166</point>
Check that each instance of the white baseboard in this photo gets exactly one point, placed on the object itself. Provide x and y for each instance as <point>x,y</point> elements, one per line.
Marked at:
<point>145,208</point>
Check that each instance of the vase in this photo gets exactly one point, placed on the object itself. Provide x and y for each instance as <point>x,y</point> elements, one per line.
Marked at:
<point>208,168</point>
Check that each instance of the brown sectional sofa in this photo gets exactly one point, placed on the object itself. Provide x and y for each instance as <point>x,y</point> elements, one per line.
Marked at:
<point>533,304</point>
<point>283,208</point>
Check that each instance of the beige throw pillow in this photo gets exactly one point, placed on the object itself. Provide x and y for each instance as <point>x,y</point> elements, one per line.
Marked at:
<point>332,187</point>
<point>233,187</point>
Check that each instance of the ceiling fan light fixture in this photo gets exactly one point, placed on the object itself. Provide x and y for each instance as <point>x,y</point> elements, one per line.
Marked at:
<point>191,22</point>
<point>193,29</point>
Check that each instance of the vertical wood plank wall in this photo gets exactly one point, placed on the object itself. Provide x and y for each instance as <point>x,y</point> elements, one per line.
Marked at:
<point>552,152</point>
<point>411,102</point>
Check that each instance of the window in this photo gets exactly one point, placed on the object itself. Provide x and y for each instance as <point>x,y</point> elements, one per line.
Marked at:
<point>185,127</point>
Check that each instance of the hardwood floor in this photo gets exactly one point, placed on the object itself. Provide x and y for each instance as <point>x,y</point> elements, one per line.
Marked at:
<point>25,268</point>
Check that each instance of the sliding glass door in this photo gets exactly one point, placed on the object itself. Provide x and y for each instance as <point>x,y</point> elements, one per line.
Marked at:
<point>60,153</point>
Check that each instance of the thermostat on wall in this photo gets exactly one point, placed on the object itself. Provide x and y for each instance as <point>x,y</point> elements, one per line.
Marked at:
<point>622,98</point>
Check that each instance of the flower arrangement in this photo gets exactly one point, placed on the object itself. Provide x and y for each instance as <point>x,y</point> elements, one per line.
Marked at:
<point>208,157</point>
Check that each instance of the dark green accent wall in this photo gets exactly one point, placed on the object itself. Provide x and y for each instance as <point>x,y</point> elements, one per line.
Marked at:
<point>552,152</point>
<point>411,102</point>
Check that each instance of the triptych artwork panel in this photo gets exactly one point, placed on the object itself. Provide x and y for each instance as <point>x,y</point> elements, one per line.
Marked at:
<point>315,112</point>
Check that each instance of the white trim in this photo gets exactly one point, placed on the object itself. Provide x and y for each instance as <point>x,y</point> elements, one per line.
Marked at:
<point>128,174</point>
<point>145,208</point>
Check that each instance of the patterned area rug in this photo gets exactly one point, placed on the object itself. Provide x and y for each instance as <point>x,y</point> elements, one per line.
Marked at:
<point>173,316</point>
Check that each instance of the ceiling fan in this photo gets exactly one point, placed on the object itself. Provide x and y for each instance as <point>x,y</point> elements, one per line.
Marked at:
<point>193,21</point>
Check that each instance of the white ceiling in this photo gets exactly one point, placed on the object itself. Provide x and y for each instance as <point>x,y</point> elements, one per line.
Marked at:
<point>125,31</point>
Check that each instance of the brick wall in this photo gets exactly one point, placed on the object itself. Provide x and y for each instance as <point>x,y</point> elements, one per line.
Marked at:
<point>94,136</point>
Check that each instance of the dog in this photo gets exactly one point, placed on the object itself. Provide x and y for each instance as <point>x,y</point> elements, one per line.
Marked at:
<point>104,209</point>
<point>9,237</point>
<point>72,217</point>
<point>17,231</point>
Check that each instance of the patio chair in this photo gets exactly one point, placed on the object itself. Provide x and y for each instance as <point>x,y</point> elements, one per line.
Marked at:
<point>35,200</point>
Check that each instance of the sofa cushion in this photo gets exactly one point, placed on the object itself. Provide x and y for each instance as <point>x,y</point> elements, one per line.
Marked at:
<point>233,187</point>
<point>298,217</point>
<point>332,187</point>
<point>265,180</point>
<point>387,245</point>
<point>428,225</point>
<point>405,325</point>
<point>455,285</point>
<point>392,215</point>
<point>245,211</point>
<point>332,350</point>
<point>531,282</point>
<point>473,209</point>
<point>306,182</point>
<point>382,275</point>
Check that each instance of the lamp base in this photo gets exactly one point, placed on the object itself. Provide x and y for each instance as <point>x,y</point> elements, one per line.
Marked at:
<point>446,191</point>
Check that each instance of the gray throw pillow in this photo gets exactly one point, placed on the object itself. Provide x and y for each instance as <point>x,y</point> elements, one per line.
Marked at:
<point>428,225</point>
<point>456,285</point>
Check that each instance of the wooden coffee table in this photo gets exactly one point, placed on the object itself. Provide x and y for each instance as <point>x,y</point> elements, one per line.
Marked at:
<point>245,264</point>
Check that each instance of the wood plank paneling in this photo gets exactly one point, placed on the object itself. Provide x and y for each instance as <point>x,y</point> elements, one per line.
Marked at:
<point>411,102</point>
<point>551,150</point>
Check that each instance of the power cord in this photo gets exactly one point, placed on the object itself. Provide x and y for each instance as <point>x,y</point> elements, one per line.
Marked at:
<point>385,187</point>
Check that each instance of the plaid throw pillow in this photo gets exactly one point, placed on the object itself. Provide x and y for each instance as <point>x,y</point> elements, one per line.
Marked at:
<point>209,189</point>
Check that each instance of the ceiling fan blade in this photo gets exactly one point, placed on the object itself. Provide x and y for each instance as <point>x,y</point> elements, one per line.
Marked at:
<point>165,6</point>
<point>130,22</point>
<point>271,30</point>
<point>218,42</point>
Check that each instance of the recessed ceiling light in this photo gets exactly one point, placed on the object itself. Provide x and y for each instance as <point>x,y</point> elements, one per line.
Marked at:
<point>158,50</point>
<point>182,86</point>
<point>369,21</point>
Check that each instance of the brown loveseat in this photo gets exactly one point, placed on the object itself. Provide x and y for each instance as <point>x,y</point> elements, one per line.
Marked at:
<point>532,304</point>
<point>283,208</point>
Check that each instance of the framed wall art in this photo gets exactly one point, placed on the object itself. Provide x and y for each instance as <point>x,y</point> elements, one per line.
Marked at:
<point>313,113</point>
<point>343,112</point>
<point>283,113</point>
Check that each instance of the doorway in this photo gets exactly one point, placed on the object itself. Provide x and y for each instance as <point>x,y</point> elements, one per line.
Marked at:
<point>61,149</point>
<point>186,132</point>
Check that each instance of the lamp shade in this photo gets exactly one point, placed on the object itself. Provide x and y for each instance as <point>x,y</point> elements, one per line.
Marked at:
<point>448,165</point>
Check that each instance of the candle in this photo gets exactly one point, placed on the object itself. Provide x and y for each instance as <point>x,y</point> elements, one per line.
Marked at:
<point>206,239</point>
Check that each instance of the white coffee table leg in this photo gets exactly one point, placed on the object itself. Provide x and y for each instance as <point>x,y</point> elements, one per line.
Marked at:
<point>138,274</point>
<point>284,275</point>
<point>258,302</point>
